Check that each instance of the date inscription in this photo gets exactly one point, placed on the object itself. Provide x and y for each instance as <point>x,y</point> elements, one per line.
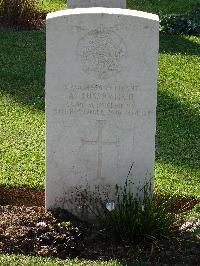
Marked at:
<point>95,99</point>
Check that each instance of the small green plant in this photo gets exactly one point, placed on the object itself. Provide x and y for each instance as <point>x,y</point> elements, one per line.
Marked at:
<point>20,13</point>
<point>136,218</point>
<point>66,223</point>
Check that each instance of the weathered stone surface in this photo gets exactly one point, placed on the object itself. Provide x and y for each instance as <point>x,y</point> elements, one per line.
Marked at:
<point>101,75</point>
<point>96,3</point>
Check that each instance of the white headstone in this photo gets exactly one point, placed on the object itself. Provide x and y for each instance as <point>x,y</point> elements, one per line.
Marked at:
<point>101,75</point>
<point>96,3</point>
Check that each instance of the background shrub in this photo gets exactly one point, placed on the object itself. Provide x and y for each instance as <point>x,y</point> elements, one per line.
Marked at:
<point>188,23</point>
<point>21,14</point>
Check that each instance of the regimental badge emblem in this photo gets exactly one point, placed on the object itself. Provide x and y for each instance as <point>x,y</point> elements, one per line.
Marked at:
<point>101,53</point>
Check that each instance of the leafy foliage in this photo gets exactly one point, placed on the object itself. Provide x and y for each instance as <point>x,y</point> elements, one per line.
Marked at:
<point>188,23</point>
<point>20,13</point>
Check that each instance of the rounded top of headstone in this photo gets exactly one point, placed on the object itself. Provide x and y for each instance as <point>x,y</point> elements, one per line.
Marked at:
<point>96,3</point>
<point>102,10</point>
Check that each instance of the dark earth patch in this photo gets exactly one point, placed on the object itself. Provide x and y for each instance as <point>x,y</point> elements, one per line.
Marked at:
<point>21,196</point>
<point>33,230</point>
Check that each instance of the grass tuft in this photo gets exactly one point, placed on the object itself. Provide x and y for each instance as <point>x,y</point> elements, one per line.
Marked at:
<point>134,219</point>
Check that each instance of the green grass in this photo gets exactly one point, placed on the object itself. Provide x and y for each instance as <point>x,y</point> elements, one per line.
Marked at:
<point>22,119</point>
<point>22,64</point>
<point>20,260</point>
<point>52,5</point>
<point>178,128</point>
<point>160,7</point>
<point>22,60</point>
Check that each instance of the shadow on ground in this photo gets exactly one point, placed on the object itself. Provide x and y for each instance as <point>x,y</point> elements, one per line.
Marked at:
<point>177,133</point>
<point>178,44</point>
<point>22,64</point>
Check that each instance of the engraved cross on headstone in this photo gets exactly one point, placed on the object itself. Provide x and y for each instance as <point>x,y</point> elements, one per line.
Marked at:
<point>100,144</point>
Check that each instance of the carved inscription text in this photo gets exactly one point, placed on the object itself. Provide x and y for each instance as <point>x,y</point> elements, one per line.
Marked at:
<point>96,99</point>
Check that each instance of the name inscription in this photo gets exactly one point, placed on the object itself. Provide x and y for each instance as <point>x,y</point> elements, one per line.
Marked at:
<point>102,100</point>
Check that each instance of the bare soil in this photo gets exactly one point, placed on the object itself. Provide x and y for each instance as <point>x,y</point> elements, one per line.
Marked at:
<point>27,228</point>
